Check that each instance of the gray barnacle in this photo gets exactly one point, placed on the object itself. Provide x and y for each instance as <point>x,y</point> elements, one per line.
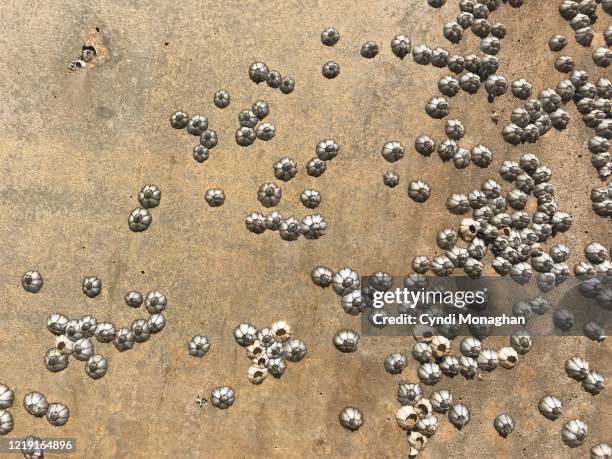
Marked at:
<point>32,281</point>
<point>395,363</point>
<point>504,424</point>
<point>58,414</point>
<point>593,383</point>
<point>222,397</point>
<point>351,418</point>
<point>35,404</point>
<point>459,415</point>
<point>139,219</point>
<point>294,350</point>
<point>346,340</point>
<point>574,433</point>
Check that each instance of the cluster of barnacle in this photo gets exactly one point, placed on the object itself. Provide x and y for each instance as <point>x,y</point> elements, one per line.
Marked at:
<point>259,72</point>
<point>197,125</point>
<point>252,125</point>
<point>74,336</point>
<point>7,396</point>
<point>35,404</point>
<point>581,15</point>
<point>269,195</point>
<point>513,238</point>
<point>269,349</point>
<point>595,275</point>
<point>140,218</point>
<point>329,37</point>
<point>579,369</point>
<point>88,53</point>
<point>416,415</point>
<point>595,283</point>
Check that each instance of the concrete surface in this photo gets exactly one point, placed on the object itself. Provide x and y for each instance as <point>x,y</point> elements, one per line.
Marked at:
<point>77,146</point>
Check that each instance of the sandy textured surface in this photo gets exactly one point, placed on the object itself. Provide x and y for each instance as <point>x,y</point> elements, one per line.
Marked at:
<point>76,148</point>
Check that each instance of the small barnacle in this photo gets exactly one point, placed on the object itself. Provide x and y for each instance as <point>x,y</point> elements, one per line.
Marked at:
<point>453,32</point>
<point>289,229</point>
<point>330,36</point>
<point>198,346</point>
<point>276,366</point>
<point>197,125</point>
<point>55,360</point>
<point>422,54</point>
<point>58,414</point>
<point>96,366</point>
<point>401,46</point>
<point>550,407</point>
<point>245,334</point>
<point>449,365</point>
<point>257,374</point>
<point>594,331</point>
<point>429,373</point>
<point>258,72</point>
<point>408,393</point>
<point>264,131</point>
<point>422,352</point>
<point>35,404</point>
<point>345,281</point>
<point>245,136</point>
<point>427,425</point>
<point>7,396</point>
<point>6,422</point>
<point>577,368</point>
<point>441,400</point>
<point>459,415</point>
<point>222,397</point>
<point>287,85</point>
<point>419,191</point>
<point>351,418</point>
<point>285,169</point>
<point>346,340</point>
<point>406,417</point>
<point>574,433</point>
<point>391,179</point>
<point>330,70</point>
<point>490,45</point>
<point>209,139</point>
<point>395,363</point>
<point>593,383</point>
<point>255,222</point>
<point>521,341</point>
<point>563,319</point>
<point>56,323</point>
<point>322,276</point>
<point>487,360</point>
<point>521,89</point>
<point>504,424</point>
<point>91,286</point>
<point>199,153</point>
<point>437,107</point>
<point>214,197</point>
<point>274,79</point>
<point>602,450</point>
<point>369,50</point>
<point>179,120</point>
<point>269,194</point>
<point>221,99</point>
<point>156,322</point>
<point>149,196</point>
<point>139,219</point>
<point>508,357</point>
<point>294,350</point>
<point>310,198</point>
<point>32,281</point>
<point>281,331</point>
